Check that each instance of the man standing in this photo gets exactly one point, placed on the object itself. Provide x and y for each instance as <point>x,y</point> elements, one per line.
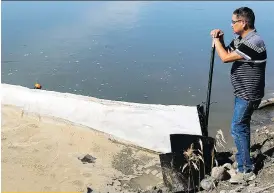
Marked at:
<point>248,54</point>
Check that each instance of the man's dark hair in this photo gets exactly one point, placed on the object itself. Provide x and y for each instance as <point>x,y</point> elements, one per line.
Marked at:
<point>247,14</point>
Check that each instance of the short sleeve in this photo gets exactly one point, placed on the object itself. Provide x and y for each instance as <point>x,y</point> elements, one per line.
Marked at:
<point>245,50</point>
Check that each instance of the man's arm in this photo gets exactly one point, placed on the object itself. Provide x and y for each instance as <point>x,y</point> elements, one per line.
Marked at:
<point>225,55</point>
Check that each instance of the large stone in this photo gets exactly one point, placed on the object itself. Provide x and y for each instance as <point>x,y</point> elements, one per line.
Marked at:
<point>220,173</point>
<point>208,183</point>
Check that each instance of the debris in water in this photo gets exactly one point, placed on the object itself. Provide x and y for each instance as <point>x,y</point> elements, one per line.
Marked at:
<point>37,86</point>
<point>9,73</point>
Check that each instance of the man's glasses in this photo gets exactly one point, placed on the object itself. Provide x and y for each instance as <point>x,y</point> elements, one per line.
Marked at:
<point>233,22</point>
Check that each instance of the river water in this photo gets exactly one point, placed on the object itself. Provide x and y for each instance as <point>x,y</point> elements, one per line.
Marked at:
<point>144,52</point>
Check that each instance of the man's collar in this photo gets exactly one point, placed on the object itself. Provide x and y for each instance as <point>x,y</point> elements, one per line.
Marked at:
<point>252,32</point>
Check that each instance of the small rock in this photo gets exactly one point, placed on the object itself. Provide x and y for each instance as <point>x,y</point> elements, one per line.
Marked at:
<point>154,172</point>
<point>88,159</point>
<point>148,171</point>
<point>266,146</point>
<point>208,183</point>
<point>232,191</point>
<point>272,119</point>
<point>220,173</point>
<point>140,167</point>
<point>239,189</point>
<point>159,175</point>
<point>252,185</point>
<point>223,191</point>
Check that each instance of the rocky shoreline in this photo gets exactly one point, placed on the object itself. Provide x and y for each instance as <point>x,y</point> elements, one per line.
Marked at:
<point>262,152</point>
<point>263,157</point>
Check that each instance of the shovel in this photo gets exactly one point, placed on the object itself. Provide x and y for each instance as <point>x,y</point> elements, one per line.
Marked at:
<point>172,163</point>
<point>204,115</point>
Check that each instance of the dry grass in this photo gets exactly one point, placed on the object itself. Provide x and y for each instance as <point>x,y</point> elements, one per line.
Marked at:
<point>220,140</point>
<point>193,158</point>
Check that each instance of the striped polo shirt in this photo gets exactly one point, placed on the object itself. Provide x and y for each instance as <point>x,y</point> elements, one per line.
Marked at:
<point>248,75</point>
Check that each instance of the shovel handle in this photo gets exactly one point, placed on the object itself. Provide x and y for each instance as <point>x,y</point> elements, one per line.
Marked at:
<point>209,85</point>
